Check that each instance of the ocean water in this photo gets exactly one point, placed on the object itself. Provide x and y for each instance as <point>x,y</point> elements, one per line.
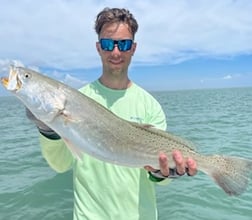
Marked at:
<point>217,121</point>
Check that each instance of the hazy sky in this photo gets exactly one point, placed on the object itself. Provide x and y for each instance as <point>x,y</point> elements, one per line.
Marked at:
<point>182,44</point>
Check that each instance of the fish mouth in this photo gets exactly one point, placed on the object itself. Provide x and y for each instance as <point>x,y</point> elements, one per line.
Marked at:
<point>12,82</point>
<point>5,81</point>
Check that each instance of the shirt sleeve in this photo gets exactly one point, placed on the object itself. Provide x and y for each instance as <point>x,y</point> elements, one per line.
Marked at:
<point>156,115</point>
<point>56,153</point>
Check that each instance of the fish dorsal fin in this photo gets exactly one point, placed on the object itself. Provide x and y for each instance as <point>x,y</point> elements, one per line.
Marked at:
<point>147,126</point>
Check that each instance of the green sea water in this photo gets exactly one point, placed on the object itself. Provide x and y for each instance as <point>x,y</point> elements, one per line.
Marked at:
<point>216,121</point>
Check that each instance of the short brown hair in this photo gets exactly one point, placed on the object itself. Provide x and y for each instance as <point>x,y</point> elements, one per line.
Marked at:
<point>113,15</point>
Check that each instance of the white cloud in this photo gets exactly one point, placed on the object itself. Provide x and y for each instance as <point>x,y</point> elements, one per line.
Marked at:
<point>217,79</point>
<point>60,34</point>
<point>74,81</point>
<point>234,76</point>
<point>227,77</point>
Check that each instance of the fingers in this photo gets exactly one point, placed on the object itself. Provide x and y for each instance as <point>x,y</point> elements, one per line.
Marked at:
<point>180,162</point>
<point>149,168</point>
<point>183,165</point>
<point>41,125</point>
<point>163,164</point>
<point>192,167</point>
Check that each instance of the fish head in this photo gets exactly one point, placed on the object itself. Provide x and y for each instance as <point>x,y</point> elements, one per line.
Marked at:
<point>40,94</point>
<point>12,82</point>
<point>19,80</point>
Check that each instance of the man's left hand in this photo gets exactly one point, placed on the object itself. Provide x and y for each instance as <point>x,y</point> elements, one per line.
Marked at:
<point>183,165</point>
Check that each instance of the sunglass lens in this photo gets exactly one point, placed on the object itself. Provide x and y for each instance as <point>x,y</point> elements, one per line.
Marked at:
<point>107,44</point>
<point>124,45</point>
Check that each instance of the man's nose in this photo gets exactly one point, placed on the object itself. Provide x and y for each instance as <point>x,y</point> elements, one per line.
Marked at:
<point>116,49</point>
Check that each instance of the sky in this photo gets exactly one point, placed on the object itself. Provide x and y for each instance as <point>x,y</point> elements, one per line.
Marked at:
<point>182,44</point>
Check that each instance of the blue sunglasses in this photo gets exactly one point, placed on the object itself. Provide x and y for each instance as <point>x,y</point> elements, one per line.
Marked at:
<point>109,44</point>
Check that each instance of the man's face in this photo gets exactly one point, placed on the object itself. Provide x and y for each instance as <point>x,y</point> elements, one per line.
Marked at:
<point>116,61</point>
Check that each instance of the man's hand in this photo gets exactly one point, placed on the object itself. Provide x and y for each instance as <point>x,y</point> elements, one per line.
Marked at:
<point>39,124</point>
<point>42,127</point>
<point>183,165</point>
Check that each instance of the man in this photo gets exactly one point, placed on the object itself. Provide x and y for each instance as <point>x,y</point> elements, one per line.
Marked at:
<point>104,191</point>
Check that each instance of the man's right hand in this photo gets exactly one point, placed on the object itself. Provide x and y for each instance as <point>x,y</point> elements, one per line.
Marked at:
<point>42,127</point>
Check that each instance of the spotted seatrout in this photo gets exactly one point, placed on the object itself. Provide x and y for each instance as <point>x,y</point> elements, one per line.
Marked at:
<point>88,127</point>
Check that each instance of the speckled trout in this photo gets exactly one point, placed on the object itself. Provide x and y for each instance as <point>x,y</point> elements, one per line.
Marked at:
<point>88,127</point>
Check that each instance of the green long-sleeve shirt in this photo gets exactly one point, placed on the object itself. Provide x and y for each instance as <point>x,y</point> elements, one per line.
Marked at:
<point>104,191</point>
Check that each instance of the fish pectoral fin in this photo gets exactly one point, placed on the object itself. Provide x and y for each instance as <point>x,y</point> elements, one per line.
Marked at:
<point>54,107</point>
<point>60,109</point>
<point>67,117</point>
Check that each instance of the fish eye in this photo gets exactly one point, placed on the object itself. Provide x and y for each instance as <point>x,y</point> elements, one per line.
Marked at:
<point>27,75</point>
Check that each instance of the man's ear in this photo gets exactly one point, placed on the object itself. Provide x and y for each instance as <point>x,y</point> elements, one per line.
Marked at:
<point>134,48</point>
<point>98,48</point>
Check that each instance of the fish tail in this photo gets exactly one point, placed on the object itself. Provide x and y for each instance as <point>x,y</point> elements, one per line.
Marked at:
<point>232,174</point>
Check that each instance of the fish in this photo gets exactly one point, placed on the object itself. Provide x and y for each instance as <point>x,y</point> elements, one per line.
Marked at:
<point>89,128</point>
